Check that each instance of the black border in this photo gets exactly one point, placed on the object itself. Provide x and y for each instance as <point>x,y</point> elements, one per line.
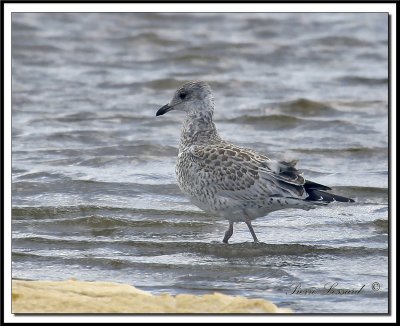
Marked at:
<point>294,314</point>
<point>2,165</point>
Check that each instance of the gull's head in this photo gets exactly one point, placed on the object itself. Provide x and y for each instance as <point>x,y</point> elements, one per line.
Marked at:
<point>193,98</point>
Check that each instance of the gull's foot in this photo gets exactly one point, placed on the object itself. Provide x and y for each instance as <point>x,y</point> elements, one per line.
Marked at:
<point>248,222</point>
<point>228,233</point>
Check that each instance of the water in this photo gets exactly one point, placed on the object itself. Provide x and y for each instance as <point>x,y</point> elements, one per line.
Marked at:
<point>94,194</point>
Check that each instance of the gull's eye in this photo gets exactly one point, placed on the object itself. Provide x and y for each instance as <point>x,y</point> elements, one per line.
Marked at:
<point>182,96</point>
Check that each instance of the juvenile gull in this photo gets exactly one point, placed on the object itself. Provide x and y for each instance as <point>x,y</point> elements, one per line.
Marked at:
<point>229,181</point>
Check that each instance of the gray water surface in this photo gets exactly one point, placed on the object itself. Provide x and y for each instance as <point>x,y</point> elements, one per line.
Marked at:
<point>94,194</point>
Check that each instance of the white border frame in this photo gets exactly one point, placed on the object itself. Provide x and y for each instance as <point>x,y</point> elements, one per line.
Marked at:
<point>9,8</point>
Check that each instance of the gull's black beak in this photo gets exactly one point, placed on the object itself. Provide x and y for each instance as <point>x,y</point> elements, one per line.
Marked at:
<point>164,110</point>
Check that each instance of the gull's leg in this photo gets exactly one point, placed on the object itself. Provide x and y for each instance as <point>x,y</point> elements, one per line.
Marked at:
<point>248,222</point>
<point>228,233</point>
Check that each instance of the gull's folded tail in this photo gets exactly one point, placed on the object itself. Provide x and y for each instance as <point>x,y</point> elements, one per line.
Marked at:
<point>315,193</point>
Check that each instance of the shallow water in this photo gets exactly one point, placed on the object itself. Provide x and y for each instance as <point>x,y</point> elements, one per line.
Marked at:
<point>94,194</point>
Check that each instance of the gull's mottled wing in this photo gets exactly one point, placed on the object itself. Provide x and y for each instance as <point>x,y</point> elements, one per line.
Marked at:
<point>243,174</point>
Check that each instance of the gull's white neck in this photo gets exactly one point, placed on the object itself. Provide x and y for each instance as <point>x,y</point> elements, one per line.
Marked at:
<point>197,129</point>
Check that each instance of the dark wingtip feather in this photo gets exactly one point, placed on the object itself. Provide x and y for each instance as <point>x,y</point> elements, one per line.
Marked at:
<point>309,185</point>
<point>316,195</point>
